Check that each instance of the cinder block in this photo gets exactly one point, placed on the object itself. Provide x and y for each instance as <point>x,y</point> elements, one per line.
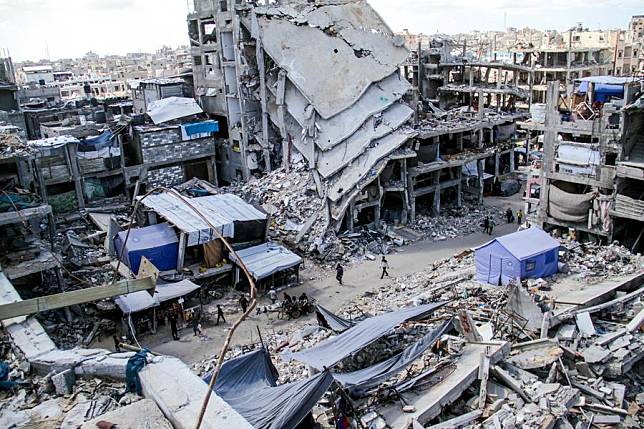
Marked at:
<point>64,382</point>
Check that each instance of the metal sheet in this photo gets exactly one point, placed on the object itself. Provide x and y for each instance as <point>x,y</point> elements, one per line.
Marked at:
<point>266,259</point>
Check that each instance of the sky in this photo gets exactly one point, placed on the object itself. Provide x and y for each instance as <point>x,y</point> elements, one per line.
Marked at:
<point>37,29</point>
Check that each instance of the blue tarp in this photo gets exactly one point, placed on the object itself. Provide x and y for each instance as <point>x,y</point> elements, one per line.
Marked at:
<point>248,385</point>
<point>328,320</point>
<point>204,127</point>
<point>530,253</point>
<point>359,382</point>
<point>96,143</point>
<point>334,349</point>
<point>158,243</point>
<point>603,91</point>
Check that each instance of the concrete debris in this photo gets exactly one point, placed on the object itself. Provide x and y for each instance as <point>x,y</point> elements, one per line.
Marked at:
<point>456,222</point>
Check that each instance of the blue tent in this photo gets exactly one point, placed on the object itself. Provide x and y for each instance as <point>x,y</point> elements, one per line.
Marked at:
<point>158,243</point>
<point>530,253</point>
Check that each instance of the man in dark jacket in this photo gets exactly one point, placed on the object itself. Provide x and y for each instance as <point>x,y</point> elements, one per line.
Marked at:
<point>339,272</point>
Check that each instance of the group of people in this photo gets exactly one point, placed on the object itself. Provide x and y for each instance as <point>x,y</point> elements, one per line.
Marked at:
<point>488,223</point>
<point>509,215</point>
<point>302,301</point>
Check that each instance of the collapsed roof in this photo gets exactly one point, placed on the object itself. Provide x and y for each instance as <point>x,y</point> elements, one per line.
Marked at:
<point>336,90</point>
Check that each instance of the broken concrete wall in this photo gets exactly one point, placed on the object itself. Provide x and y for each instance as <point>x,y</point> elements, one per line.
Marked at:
<point>346,119</point>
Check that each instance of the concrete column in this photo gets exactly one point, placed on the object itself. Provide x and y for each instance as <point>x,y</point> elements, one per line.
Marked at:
<point>459,189</point>
<point>70,151</point>
<point>497,160</point>
<point>512,160</point>
<point>549,148</point>
<point>436,205</point>
<point>412,198</point>
<point>480,164</point>
<point>211,164</point>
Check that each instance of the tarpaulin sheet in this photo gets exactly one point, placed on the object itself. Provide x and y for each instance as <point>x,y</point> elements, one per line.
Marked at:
<point>266,259</point>
<point>96,143</point>
<point>332,321</point>
<point>247,384</point>
<point>358,382</point>
<point>334,349</point>
<point>158,243</point>
<point>603,90</point>
<point>199,129</point>
<point>135,302</point>
<point>142,300</point>
<point>167,291</point>
<point>569,207</point>
<point>171,108</point>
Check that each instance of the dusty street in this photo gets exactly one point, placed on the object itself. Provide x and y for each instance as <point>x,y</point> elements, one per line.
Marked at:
<point>322,286</point>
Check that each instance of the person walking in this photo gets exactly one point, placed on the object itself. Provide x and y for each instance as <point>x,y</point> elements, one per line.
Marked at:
<point>272,295</point>
<point>220,315</point>
<point>509,215</point>
<point>173,326</point>
<point>491,227</point>
<point>243,302</point>
<point>384,265</point>
<point>520,217</point>
<point>339,272</point>
<point>486,225</point>
<point>195,323</point>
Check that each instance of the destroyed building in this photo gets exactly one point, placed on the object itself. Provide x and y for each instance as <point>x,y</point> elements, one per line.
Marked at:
<point>353,130</point>
<point>590,175</point>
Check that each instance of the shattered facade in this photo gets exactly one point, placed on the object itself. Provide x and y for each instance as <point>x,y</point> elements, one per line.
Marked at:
<point>590,175</point>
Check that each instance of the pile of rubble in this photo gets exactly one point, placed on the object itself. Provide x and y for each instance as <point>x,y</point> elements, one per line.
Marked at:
<point>457,222</point>
<point>566,367</point>
<point>12,145</point>
<point>55,400</point>
<point>593,261</point>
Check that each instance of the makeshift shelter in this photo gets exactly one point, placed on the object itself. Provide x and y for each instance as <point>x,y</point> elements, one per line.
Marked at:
<point>249,385</point>
<point>142,300</point>
<point>266,260</point>
<point>333,350</point>
<point>233,217</point>
<point>530,253</point>
<point>158,243</point>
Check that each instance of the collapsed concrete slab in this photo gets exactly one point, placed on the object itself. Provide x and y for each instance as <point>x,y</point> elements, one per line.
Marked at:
<point>179,393</point>
<point>142,414</point>
<point>430,403</point>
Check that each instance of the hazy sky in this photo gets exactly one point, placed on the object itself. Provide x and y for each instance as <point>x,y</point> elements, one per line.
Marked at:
<point>69,28</point>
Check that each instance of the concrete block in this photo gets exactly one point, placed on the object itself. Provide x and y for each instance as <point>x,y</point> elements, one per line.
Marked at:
<point>142,414</point>
<point>64,382</point>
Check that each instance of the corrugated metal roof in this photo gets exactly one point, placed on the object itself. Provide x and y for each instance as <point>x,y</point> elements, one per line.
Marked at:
<point>221,210</point>
<point>267,259</point>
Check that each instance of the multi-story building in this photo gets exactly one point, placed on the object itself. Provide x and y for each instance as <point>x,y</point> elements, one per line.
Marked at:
<point>590,177</point>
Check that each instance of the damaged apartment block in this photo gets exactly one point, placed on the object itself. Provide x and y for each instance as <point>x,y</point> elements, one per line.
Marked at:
<point>591,175</point>
<point>370,156</point>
